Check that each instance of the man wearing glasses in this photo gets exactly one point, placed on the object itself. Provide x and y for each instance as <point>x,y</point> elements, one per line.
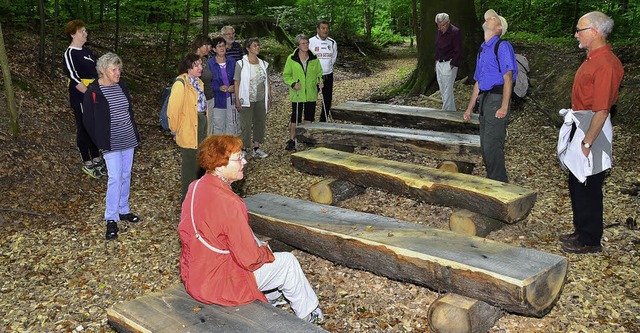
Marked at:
<point>495,76</point>
<point>588,132</point>
<point>234,50</point>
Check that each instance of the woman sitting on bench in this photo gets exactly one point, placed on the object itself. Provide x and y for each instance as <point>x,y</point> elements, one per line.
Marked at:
<point>222,262</point>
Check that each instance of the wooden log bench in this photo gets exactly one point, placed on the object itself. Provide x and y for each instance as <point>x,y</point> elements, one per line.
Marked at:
<point>405,116</point>
<point>440,145</point>
<point>515,279</point>
<point>502,201</point>
<point>173,310</point>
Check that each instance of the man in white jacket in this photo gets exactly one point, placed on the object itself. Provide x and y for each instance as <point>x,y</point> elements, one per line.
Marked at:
<point>326,49</point>
<point>595,91</point>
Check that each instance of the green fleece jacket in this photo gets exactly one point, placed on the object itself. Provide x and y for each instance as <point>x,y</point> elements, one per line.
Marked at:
<point>294,72</point>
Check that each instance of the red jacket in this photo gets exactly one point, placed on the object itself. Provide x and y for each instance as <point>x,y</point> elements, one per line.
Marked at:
<point>222,221</point>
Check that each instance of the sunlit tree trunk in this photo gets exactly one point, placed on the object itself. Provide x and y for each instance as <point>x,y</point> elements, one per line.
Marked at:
<point>14,127</point>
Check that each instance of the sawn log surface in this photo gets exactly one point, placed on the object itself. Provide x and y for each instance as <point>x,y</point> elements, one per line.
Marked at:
<point>405,116</point>
<point>516,279</point>
<point>502,201</point>
<point>173,310</point>
<point>441,145</point>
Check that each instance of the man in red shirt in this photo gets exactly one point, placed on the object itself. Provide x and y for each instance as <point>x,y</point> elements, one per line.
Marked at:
<point>595,91</point>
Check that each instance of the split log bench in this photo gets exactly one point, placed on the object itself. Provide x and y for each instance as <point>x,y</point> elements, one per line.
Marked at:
<point>173,310</point>
<point>515,279</point>
<point>447,146</point>
<point>503,201</point>
<point>405,116</point>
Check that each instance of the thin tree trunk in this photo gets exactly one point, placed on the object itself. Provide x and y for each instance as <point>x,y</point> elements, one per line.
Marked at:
<point>101,12</point>
<point>167,50</point>
<point>576,12</point>
<point>42,35</point>
<point>14,127</point>
<point>185,33</point>
<point>117,26</point>
<point>205,17</point>
<point>54,39</point>
<point>414,20</point>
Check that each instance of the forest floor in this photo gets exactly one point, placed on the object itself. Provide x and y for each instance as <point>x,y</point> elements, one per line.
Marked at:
<point>57,272</point>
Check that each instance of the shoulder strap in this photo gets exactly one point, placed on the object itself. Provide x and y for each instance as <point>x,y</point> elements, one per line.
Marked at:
<point>495,50</point>
<point>180,79</point>
<point>193,222</point>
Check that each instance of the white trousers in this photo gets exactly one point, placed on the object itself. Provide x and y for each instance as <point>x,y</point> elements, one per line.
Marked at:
<point>446,78</point>
<point>224,121</point>
<point>285,276</point>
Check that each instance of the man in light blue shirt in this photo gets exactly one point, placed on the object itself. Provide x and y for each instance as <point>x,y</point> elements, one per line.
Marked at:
<point>495,75</point>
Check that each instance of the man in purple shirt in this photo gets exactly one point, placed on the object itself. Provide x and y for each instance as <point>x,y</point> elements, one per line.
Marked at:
<point>448,55</point>
<point>494,77</point>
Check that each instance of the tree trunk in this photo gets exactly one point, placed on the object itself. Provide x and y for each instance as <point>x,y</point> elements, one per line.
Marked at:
<point>469,223</point>
<point>42,35</point>
<point>54,38</point>
<point>14,127</point>
<point>331,191</point>
<point>117,26</point>
<point>167,49</point>
<point>187,21</point>
<point>205,17</point>
<point>462,15</point>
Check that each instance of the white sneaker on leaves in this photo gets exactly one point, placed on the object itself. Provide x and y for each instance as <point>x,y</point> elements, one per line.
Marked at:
<point>259,153</point>
<point>315,316</point>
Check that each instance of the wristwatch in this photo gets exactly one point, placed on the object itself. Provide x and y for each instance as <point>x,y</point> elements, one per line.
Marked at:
<point>586,145</point>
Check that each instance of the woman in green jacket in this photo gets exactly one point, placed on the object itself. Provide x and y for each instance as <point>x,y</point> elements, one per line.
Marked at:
<point>303,74</point>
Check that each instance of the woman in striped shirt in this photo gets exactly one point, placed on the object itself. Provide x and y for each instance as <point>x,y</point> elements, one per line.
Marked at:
<point>108,118</point>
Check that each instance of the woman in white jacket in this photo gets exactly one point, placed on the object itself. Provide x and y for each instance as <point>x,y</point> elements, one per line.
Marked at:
<point>253,97</point>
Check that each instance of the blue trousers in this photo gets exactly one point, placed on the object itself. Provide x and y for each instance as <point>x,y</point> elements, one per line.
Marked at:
<point>119,165</point>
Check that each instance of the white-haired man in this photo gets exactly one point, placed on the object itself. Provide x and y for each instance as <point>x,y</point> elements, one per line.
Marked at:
<point>234,49</point>
<point>494,75</point>
<point>589,132</point>
<point>448,57</point>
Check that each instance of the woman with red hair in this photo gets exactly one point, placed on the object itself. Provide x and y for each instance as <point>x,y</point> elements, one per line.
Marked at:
<point>222,262</point>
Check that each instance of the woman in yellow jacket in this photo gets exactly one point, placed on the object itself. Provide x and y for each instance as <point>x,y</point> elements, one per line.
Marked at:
<point>303,74</point>
<point>187,113</point>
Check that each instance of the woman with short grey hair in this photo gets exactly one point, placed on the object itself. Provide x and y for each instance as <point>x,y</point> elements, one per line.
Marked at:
<point>109,120</point>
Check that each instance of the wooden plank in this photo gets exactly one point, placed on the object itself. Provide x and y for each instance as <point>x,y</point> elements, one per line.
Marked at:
<point>173,310</point>
<point>516,279</point>
<point>441,145</point>
<point>454,313</point>
<point>502,201</point>
<point>405,116</point>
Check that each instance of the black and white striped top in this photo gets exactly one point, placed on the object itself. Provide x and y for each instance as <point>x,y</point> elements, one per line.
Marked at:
<point>123,135</point>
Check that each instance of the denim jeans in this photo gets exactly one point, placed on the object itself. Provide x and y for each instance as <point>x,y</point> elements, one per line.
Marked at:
<point>119,170</point>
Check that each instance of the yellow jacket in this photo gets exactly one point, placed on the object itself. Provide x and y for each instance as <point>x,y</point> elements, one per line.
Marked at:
<point>182,112</point>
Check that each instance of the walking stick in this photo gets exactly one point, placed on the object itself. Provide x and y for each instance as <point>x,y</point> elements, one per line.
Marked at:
<point>297,102</point>
<point>324,108</point>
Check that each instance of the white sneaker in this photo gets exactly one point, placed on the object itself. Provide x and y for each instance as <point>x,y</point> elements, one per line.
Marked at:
<point>259,153</point>
<point>315,316</point>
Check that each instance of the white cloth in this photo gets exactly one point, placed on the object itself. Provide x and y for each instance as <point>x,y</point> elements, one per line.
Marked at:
<point>245,77</point>
<point>570,151</point>
<point>285,276</point>
<point>326,51</point>
<point>446,78</point>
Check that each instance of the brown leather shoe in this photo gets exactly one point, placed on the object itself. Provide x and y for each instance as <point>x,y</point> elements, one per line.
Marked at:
<point>578,248</point>
<point>568,237</point>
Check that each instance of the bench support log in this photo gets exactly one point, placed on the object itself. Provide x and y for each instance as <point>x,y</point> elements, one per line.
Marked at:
<point>332,191</point>
<point>469,223</point>
<point>454,313</point>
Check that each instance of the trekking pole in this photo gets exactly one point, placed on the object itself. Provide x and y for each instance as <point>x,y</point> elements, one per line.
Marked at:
<point>297,102</point>
<point>324,108</point>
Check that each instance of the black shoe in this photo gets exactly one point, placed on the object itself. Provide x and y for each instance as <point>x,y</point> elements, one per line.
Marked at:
<point>578,248</point>
<point>566,238</point>
<point>112,230</point>
<point>291,145</point>
<point>129,217</point>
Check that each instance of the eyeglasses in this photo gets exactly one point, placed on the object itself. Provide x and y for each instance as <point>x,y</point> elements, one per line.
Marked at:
<point>583,29</point>
<point>240,158</point>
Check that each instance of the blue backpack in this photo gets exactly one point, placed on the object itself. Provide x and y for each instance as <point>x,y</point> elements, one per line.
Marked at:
<point>164,120</point>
